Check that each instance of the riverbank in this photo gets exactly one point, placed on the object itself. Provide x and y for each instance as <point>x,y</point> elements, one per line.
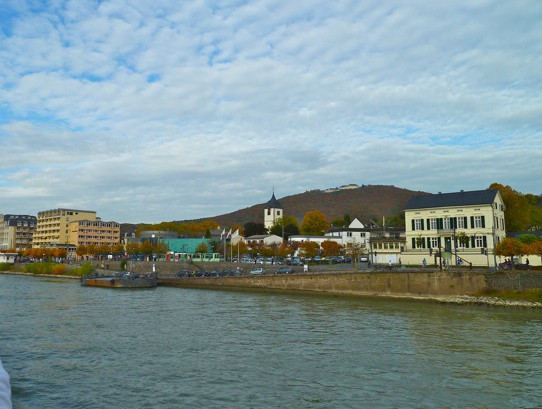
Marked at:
<point>504,299</point>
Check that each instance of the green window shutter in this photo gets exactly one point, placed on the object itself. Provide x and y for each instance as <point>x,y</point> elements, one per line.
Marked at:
<point>422,224</point>
<point>428,224</point>
<point>413,225</point>
<point>472,223</point>
<point>483,221</point>
<point>465,222</point>
<point>485,241</point>
<point>413,243</point>
<point>473,242</point>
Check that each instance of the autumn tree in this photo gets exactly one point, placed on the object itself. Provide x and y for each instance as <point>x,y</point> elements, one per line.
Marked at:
<point>308,249</point>
<point>509,247</point>
<point>117,248</point>
<point>517,215</point>
<point>81,250</point>
<point>161,248</point>
<point>202,248</point>
<point>354,250</point>
<point>330,248</point>
<point>314,223</point>
<point>535,248</point>
<point>132,248</point>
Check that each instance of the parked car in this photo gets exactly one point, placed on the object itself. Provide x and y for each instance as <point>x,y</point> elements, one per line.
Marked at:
<point>256,271</point>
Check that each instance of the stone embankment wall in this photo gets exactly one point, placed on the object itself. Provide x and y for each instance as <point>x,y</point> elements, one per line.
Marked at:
<point>514,280</point>
<point>373,283</point>
<point>343,279</point>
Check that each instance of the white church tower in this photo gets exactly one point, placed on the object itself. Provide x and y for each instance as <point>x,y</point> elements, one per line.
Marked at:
<point>273,211</point>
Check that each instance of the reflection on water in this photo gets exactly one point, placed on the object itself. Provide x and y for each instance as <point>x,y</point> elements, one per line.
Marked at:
<point>68,346</point>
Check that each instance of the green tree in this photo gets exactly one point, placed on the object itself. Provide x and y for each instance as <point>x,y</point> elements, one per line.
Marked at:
<point>314,223</point>
<point>339,222</point>
<point>252,229</point>
<point>528,238</point>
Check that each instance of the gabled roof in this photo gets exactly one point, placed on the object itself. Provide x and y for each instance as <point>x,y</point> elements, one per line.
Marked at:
<point>475,197</point>
<point>273,203</point>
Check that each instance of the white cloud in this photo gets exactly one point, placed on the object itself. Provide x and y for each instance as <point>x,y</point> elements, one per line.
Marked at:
<point>148,111</point>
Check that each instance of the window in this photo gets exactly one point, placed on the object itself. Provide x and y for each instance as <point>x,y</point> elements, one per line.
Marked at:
<point>478,221</point>
<point>349,234</point>
<point>479,241</point>
<point>433,224</point>
<point>418,224</point>
<point>434,242</point>
<point>461,223</point>
<point>446,223</point>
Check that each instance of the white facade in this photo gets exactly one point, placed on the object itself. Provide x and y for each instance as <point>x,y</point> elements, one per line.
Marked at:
<point>273,211</point>
<point>265,239</point>
<point>441,222</point>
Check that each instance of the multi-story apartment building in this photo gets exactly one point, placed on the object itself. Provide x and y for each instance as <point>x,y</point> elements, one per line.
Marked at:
<point>464,227</point>
<point>16,231</point>
<point>52,229</point>
<point>94,232</point>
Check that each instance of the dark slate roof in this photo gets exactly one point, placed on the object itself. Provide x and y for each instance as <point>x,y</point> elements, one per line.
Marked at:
<point>475,197</point>
<point>273,203</point>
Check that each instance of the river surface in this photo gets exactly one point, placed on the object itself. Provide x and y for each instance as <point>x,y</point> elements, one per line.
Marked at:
<point>67,346</point>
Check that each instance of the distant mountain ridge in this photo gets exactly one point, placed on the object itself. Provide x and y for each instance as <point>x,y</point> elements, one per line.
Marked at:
<point>364,202</point>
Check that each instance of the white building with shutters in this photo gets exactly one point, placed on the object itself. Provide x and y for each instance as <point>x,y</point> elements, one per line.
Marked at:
<point>462,226</point>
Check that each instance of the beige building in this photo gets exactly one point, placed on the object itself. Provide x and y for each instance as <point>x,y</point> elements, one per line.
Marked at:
<point>16,231</point>
<point>462,226</point>
<point>52,229</point>
<point>94,232</point>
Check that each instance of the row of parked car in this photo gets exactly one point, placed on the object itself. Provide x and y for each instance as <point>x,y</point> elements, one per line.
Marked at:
<point>295,261</point>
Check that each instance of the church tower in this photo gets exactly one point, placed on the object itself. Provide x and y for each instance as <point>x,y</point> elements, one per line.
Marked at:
<point>273,211</point>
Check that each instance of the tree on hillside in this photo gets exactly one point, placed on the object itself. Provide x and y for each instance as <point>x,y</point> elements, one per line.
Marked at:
<point>331,248</point>
<point>337,222</point>
<point>285,225</point>
<point>509,247</point>
<point>518,211</point>
<point>252,229</point>
<point>314,223</point>
<point>528,238</point>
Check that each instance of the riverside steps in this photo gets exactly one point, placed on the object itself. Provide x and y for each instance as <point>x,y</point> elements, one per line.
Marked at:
<point>345,280</point>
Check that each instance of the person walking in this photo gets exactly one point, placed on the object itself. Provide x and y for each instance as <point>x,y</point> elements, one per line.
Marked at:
<point>424,263</point>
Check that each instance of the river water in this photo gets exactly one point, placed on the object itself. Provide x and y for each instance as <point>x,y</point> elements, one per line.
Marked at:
<point>67,346</point>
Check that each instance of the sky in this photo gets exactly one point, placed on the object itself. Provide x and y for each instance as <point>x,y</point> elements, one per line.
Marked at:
<point>160,110</point>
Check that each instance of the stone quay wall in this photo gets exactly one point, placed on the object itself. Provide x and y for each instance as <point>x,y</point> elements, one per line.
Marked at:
<point>355,283</point>
<point>343,279</point>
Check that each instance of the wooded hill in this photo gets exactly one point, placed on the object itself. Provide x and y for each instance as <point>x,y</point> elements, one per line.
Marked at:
<point>363,202</point>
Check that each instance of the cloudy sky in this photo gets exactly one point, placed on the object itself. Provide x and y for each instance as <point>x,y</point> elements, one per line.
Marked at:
<point>153,110</point>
